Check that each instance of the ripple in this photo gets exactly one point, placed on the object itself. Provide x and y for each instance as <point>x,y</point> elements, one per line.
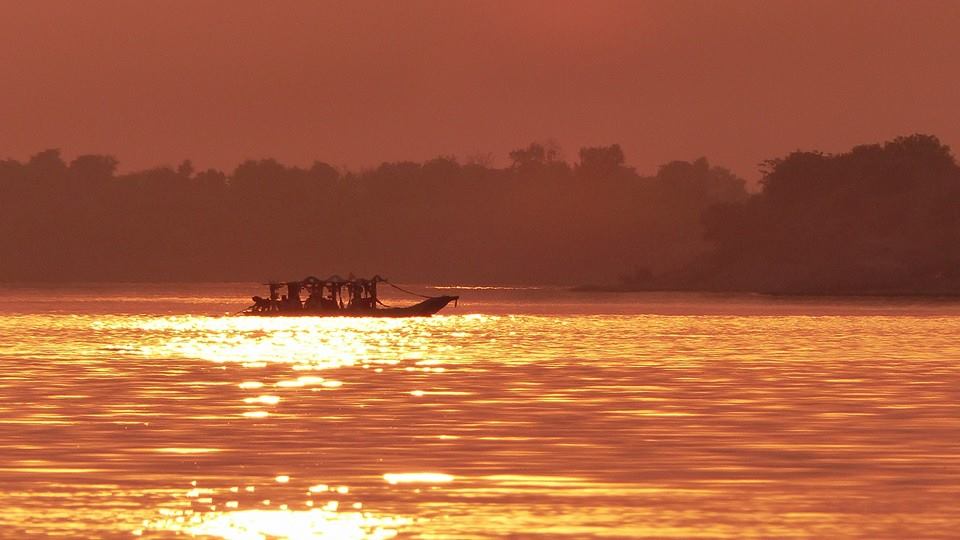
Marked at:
<point>558,418</point>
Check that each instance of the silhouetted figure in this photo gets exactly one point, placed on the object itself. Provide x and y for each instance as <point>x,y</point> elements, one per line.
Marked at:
<point>361,300</point>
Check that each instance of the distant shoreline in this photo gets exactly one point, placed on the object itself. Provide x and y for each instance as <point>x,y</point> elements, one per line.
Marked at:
<point>583,288</point>
<point>614,289</point>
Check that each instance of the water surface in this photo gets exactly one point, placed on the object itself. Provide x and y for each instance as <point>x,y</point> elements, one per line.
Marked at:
<point>148,410</point>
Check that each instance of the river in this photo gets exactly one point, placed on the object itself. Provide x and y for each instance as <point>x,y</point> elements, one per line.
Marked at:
<point>147,410</point>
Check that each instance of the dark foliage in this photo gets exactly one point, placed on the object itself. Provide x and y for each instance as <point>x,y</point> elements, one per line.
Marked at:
<point>540,220</point>
<point>880,219</point>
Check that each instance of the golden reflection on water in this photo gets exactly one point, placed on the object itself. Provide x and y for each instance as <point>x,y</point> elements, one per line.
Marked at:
<point>704,421</point>
<point>417,478</point>
<point>309,342</point>
<point>283,522</point>
<point>261,512</point>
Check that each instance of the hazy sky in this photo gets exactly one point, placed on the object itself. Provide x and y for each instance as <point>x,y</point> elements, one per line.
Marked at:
<point>357,84</point>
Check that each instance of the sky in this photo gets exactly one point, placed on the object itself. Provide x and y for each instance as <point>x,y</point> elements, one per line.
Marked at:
<point>358,83</point>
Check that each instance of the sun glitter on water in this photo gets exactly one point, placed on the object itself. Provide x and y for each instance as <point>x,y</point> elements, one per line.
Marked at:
<point>249,513</point>
<point>257,524</point>
<point>307,342</point>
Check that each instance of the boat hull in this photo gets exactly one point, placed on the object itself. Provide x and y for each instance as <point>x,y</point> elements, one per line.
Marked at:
<point>426,308</point>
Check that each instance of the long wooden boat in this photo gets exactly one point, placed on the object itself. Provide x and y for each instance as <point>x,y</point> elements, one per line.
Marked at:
<point>338,297</point>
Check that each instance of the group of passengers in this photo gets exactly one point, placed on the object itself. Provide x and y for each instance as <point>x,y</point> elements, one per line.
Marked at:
<point>354,294</point>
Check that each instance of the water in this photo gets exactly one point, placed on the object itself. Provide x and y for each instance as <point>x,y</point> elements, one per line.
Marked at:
<point>143,410</point>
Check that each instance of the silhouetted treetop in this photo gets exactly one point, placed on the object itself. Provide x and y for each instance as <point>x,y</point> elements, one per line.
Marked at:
<point>535,155</point>
<point>881,218</point>
<point>93,168</point>
<point>600,161</point>
<point>534,221</point>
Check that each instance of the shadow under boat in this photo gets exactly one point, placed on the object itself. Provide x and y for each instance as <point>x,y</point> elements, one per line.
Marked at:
<point>339,297</point>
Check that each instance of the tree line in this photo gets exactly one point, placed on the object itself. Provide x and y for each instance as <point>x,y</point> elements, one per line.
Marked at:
<point>538,220</point>
<point>880,218</point>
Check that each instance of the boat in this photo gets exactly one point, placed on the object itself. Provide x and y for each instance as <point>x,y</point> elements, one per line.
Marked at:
<point>338,297</point>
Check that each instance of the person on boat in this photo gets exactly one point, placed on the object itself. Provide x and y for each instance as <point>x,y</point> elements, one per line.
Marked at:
<point>329,302</point>
<point>293,295</point>
<point>313,302</point>
<point>356,295</point>
<point>260,304</point>
<point>369,293</point>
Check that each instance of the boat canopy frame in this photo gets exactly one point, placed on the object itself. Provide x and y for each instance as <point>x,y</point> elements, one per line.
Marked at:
<point>338,296</point>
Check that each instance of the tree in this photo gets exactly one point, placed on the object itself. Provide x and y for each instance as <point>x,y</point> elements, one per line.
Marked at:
<point>185,169</point>
<point>47,165</point>
<point>600,161</point>
<point>535,155</point>
<point>93,168</point>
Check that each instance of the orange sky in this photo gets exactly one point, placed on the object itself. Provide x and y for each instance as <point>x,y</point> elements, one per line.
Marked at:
<point>218,82</point>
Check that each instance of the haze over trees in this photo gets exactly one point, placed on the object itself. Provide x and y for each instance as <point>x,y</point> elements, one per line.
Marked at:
<point>539,220</point>
<point>880,218</point>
